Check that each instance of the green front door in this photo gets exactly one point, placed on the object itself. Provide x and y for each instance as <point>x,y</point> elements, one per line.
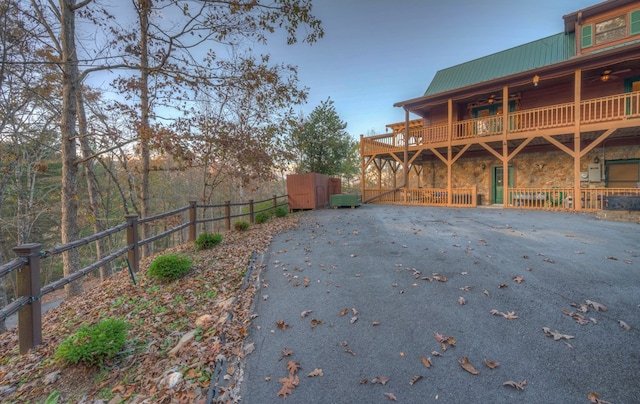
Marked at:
<point>497,186</point>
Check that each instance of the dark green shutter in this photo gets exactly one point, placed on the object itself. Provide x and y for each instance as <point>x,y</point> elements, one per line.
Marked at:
<point>587,38</point>
<point>634,22</point>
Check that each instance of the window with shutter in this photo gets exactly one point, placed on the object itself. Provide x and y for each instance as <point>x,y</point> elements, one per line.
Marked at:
<point>587,40</point>
<point>634,22</point>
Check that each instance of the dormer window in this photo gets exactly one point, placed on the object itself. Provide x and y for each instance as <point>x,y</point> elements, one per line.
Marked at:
<point>611,30</point>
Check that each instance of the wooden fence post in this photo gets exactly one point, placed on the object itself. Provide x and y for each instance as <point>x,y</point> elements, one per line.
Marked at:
<point>29,316</point>
<point>227,214</point>
<point>132,239</point>
<point>192,220</point>
<point>251,210</point>
<point>275,202</point>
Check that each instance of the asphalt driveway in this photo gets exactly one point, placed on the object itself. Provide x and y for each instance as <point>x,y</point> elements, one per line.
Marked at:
<point>385,285</point>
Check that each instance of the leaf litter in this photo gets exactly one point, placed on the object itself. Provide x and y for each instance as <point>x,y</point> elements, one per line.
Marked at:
<point>142,372</point>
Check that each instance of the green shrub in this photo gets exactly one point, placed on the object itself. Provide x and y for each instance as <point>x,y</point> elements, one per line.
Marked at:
<point>262,217</point>
<point>207,240</point>
<point>281,211</point>
<point>93,345</point>
<point>169,266</point>
<point>241,225</point>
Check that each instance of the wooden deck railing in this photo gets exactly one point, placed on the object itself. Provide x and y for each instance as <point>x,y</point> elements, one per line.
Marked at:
<point>591,199</point>
<point>464,197</point>
<point>554,198</point>
<point>604,109</point>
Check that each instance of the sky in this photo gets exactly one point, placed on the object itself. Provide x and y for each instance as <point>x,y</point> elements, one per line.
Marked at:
<point>379,52</point>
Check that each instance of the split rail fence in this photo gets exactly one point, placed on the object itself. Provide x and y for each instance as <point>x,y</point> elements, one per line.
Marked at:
<point>29,257</point>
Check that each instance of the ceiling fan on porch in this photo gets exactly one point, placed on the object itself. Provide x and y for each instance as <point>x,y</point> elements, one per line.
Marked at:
<point>609,74</point>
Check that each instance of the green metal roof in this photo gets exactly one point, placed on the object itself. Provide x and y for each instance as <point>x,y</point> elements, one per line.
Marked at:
<point>542,52</point>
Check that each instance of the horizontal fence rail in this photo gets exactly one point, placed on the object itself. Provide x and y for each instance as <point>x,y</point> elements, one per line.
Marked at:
<point>29,256</point>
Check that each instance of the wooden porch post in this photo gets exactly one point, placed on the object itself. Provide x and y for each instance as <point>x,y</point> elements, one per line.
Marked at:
<point>577,155</point>
<point>405,166</point>
<point>449,155</point>
<point>379,167</point>
<point>505,146</point>
<point>362,168</point>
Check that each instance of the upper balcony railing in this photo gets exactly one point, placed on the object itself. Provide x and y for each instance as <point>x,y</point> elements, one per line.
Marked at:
<point>604,109</point>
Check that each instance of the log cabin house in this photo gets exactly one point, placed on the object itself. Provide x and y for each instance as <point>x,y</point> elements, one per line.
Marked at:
<point>551,124</point>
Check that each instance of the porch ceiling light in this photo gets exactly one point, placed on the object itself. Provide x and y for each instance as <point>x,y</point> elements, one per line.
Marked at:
<point>491,99</point>
<point>535,80</point>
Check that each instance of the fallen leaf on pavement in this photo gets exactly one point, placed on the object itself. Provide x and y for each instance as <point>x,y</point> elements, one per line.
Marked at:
<point>624,325</point>
<point>491,364</point>
<point>466,365</point>
<point>282,325</point>
<point>414,379</point>
<point>555,334</point>
<point>597,306</point>
<point>306,313</point>
<point>292,367</point>
<point>344,311</point>
<point>315,322</point>
<point>461,301</point>
<point>249,348</point>
<point>516,385</point>
<point>390,396</point>
<point>511,315</point>
<point>353,319</point>
<point>316,372</point>
<point>380,380</point>
<point>426,361</point>
<point>595,398</point>
<point>285,352</point>
<point>518,279</point>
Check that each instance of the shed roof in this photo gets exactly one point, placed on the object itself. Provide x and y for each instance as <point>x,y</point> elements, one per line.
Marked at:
<point>532,55</point>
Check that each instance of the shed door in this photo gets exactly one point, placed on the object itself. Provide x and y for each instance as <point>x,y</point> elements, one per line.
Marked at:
<point>623,174</point>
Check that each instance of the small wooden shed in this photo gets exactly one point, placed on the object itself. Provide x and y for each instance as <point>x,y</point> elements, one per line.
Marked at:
<point>308,191</point>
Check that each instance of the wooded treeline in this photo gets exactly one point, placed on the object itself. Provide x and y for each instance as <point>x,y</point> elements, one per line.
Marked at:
<point>133,108</point>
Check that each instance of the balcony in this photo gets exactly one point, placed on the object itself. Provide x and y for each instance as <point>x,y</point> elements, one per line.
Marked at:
<point>553,119</point>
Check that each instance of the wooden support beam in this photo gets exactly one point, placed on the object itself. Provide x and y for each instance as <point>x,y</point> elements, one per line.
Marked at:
<point>438,155</point>
<point>519,148</point>
<point>460,153</point>
<point>577,155</point>
<point>559,145</point>
<point>596,142</point>
<point>491,150</point>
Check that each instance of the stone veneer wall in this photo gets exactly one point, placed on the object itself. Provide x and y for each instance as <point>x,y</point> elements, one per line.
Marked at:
<point>531,170</point>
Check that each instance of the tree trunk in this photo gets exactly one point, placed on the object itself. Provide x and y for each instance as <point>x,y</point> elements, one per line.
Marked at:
<point>69,195</point>
<point>92,184</point>
<point>145,127</point>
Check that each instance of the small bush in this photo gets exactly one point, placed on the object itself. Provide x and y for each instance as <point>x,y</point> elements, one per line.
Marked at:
<point>207,240</point>
<point>169,266</point>
<point>262,217</point>
<point>241,225</point>
<point>281,211</point>
<point>93,345</point>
